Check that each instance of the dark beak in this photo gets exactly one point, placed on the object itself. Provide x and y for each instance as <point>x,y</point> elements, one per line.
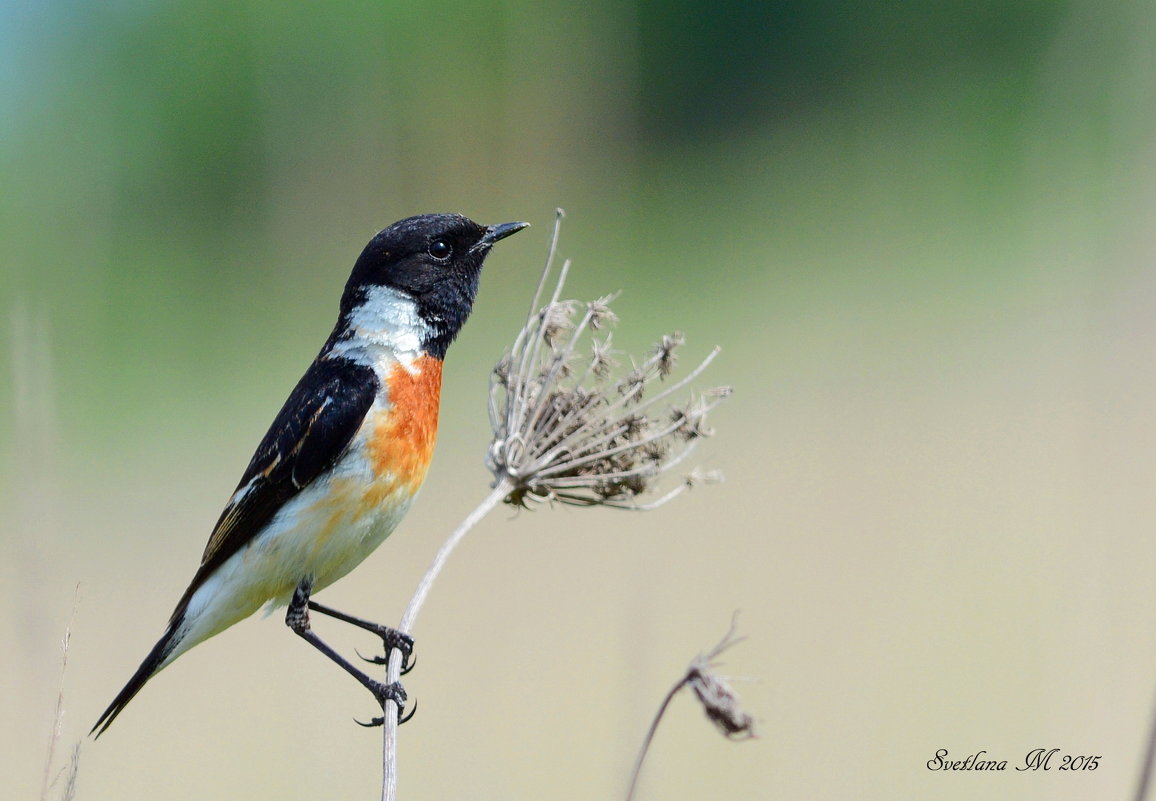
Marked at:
<point>499,231</point>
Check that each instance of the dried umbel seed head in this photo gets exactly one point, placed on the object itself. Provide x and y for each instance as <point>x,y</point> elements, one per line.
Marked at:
<point>666,353</point>
<point>718,700</point>
<point>721,704</point>
<point>568,428</point>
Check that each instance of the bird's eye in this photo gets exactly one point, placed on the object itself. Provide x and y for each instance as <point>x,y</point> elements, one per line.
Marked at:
<point>440,249</point>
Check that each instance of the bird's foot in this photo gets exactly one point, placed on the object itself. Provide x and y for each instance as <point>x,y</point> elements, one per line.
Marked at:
<point>407,661</point>
<point>383,692</point>
<point>390,637</point>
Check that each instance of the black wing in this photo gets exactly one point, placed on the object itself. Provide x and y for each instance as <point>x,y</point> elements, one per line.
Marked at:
<point>310,434</point>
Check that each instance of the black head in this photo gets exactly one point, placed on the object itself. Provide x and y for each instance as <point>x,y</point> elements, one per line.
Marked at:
<point>433,259</point>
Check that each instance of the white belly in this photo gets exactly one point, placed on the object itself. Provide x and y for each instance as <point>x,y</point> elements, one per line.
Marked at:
<point>323,532</point>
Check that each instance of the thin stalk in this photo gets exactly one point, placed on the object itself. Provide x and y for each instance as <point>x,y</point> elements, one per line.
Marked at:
<point>650,736</point>
<point>393,672</point>
<point>1145,779</point>
<point>558,215</point>
<point>652,505</point>
<point>556,367</point>
<point>517,413</point>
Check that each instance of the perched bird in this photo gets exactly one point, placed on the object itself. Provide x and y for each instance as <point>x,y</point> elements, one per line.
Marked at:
<point>344,458</point>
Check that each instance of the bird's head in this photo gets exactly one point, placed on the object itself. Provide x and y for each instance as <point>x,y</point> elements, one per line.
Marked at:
<point>425,267</point>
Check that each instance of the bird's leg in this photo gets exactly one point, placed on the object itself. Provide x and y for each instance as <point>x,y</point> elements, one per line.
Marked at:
<point>390,637</point>
<point>297,619</point>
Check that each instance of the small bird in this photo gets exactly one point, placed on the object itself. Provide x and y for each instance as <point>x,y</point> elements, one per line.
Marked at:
<point>347,453</point>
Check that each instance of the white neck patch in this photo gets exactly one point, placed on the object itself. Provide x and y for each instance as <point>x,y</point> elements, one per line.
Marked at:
<point>386,329</point>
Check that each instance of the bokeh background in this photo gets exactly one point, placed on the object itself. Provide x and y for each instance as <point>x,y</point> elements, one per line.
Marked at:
<point>922,234</point>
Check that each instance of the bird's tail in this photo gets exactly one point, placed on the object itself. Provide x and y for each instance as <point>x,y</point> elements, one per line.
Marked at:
<point>149,667</point>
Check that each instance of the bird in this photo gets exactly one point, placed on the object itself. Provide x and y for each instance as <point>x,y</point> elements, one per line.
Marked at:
<point>343,460</point>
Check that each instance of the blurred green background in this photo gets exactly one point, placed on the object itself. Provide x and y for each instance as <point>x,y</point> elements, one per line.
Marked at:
<point>922,234</point>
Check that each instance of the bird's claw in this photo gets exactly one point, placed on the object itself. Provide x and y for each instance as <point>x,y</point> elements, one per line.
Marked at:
<point>373,660</point>
<point>407,718</point>
<point>390,692</point>
<point>375,722</point>
<point>407,661</point>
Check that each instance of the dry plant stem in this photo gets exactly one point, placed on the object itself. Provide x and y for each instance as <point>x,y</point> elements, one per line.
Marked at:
<point>1145,780</point>
<point>698,670</point>
<point>650,736</point>
<point>393,671</point>
<point>58,718</point>
<point>526,354</point>
<point>69,792</point>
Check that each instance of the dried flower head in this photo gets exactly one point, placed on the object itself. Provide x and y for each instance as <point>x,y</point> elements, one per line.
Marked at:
<point>567,428</point>
<point>718,700</point>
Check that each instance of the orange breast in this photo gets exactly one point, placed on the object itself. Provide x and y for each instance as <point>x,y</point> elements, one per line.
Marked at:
<point>403,440</point>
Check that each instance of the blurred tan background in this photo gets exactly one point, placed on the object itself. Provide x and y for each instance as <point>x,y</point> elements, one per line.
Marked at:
<point>922,236</point>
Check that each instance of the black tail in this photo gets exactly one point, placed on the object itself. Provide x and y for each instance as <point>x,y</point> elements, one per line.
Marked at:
<point>147,669</point>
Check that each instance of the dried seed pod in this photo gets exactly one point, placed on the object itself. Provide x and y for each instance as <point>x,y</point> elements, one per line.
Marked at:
<point>568,427</point>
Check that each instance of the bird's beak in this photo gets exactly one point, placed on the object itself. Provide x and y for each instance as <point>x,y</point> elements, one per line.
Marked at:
<point>499,231</point>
